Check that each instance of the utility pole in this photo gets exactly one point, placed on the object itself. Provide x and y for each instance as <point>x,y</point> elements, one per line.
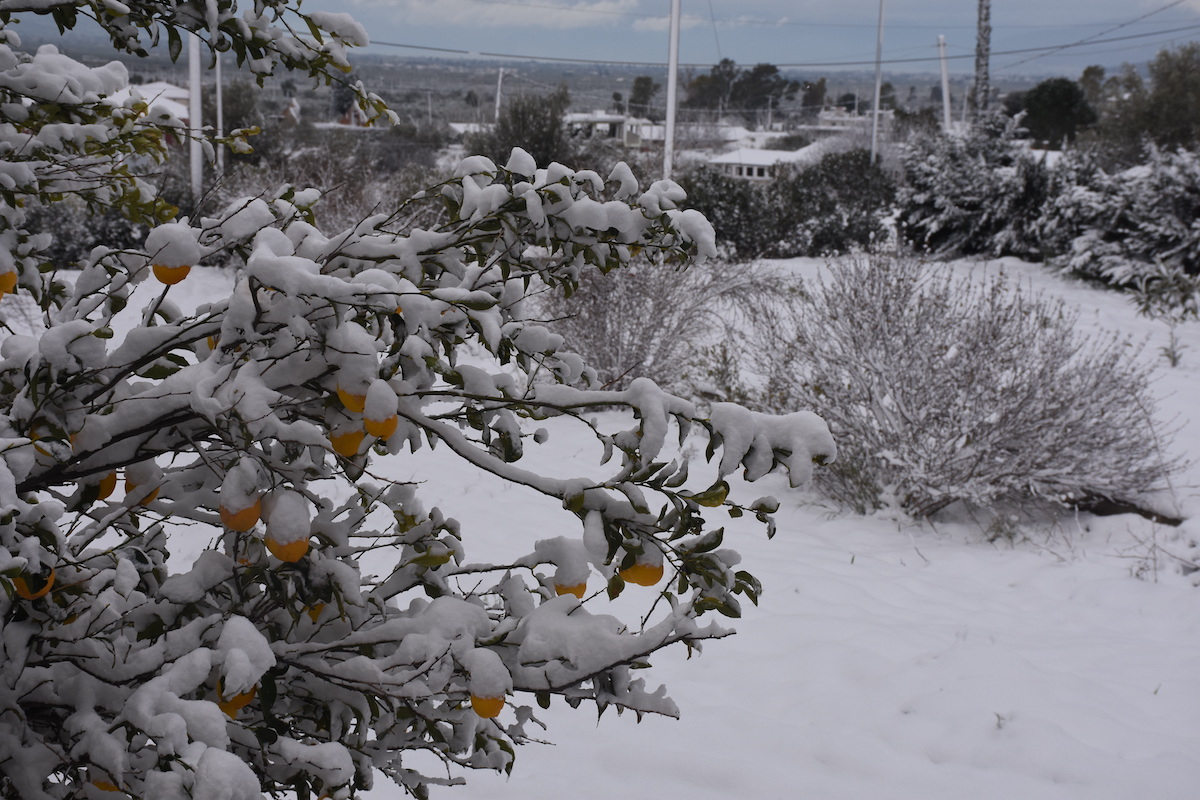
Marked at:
<point>983,50</point>
<point>945,85</point>
<point>220,113</point>
<point>878,87</point>
<point>195,124</point>
<point>499,83</point>
<point>672,82</point>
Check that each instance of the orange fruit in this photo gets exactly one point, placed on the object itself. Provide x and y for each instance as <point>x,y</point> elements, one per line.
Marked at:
<point>290,552</point>
<point>381,429</point>
<point>577,590</point>
<point>346,444</point>
<point>21,587</point>
<point>314,611</point>
<point>243,520</point>
<point>171,275</point>
<point>8,282</point>
<point>130,488</point>
<point>352,402</point>
<point>232,705</point>
<point>107,484</point>
<point>487,707</point>
<point>642,574</point>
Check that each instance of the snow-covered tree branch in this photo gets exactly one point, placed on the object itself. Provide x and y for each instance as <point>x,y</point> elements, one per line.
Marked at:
<point>275,662</point>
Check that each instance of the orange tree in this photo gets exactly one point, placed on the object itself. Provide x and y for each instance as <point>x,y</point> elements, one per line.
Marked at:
<point>274,663</point>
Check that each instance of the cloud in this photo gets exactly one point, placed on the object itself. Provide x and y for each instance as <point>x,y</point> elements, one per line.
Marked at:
<point>551,14</point>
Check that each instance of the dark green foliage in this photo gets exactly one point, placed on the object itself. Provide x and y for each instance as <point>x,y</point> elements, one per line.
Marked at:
<point>1055,111</point>
<point>640,96</point>
<point>744,221</point>
<point>532,122</point>
<point>813,99</point>
<point>834,206</point>
<point>728,87</point>
<point>77,230</point>
<point>1132,110</point>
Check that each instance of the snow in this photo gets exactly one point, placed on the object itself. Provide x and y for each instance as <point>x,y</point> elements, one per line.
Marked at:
<point>895,661</point>
<point>246,655</point>
<point>288,517</point>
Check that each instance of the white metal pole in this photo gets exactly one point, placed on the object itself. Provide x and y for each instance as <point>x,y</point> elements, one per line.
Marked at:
<point>946,122</point>
<point>878,85</point>
<point>499,83</point>
<point>195,123</point>
<point>220,112</point>
<point>672,85</point>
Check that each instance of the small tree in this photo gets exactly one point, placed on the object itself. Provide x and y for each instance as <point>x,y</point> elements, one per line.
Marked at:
<point>1055,110</point>
<point>262,422</point>
<point>641,95</point>
<point>535,123</point>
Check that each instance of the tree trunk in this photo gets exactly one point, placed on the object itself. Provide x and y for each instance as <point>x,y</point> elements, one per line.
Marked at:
<point>983,50</point>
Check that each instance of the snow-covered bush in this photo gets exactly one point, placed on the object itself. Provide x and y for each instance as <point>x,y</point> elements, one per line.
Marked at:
<point>1121,226</point>
<point>335,625</point>
<point>980,192</point>
<point>943,389</point>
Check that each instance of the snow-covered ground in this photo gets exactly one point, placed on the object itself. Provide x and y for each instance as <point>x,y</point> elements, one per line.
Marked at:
<point>900,661</point>
<point>890,661</point>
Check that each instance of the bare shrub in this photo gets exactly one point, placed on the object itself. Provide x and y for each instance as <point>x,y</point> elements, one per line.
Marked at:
<point>941,390</point>
<point>650,320</point>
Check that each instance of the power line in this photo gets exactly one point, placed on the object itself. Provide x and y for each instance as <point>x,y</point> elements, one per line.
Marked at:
<point>712,15</point>
<point>1047,49</point>
<point>1101,33</point>
<point>781,22</point>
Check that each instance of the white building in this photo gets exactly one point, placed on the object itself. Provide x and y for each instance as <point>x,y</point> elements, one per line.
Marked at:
<point>761,165</point>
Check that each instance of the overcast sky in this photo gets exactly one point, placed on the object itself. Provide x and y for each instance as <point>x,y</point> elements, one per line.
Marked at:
<point>820,33</point>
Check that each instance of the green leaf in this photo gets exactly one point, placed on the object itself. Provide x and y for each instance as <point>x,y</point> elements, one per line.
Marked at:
<point>766,505</point>
<point>431,560</point>
<point>713,496</point>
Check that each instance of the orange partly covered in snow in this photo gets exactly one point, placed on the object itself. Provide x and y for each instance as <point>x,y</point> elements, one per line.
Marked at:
<point>346,442</point>
<point>23,590</point>
<point>171,275</point>
<point>242,520</point>
<point>578,589</point>
<point>351,401</point>
<point>131,488</point>
<point>379,411</point>
<point>232,705</point>
<point>288,526</point>
<point>642,574</point>
<point>487,707</point>
<point>291,552</point>
<point>107,485</point>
